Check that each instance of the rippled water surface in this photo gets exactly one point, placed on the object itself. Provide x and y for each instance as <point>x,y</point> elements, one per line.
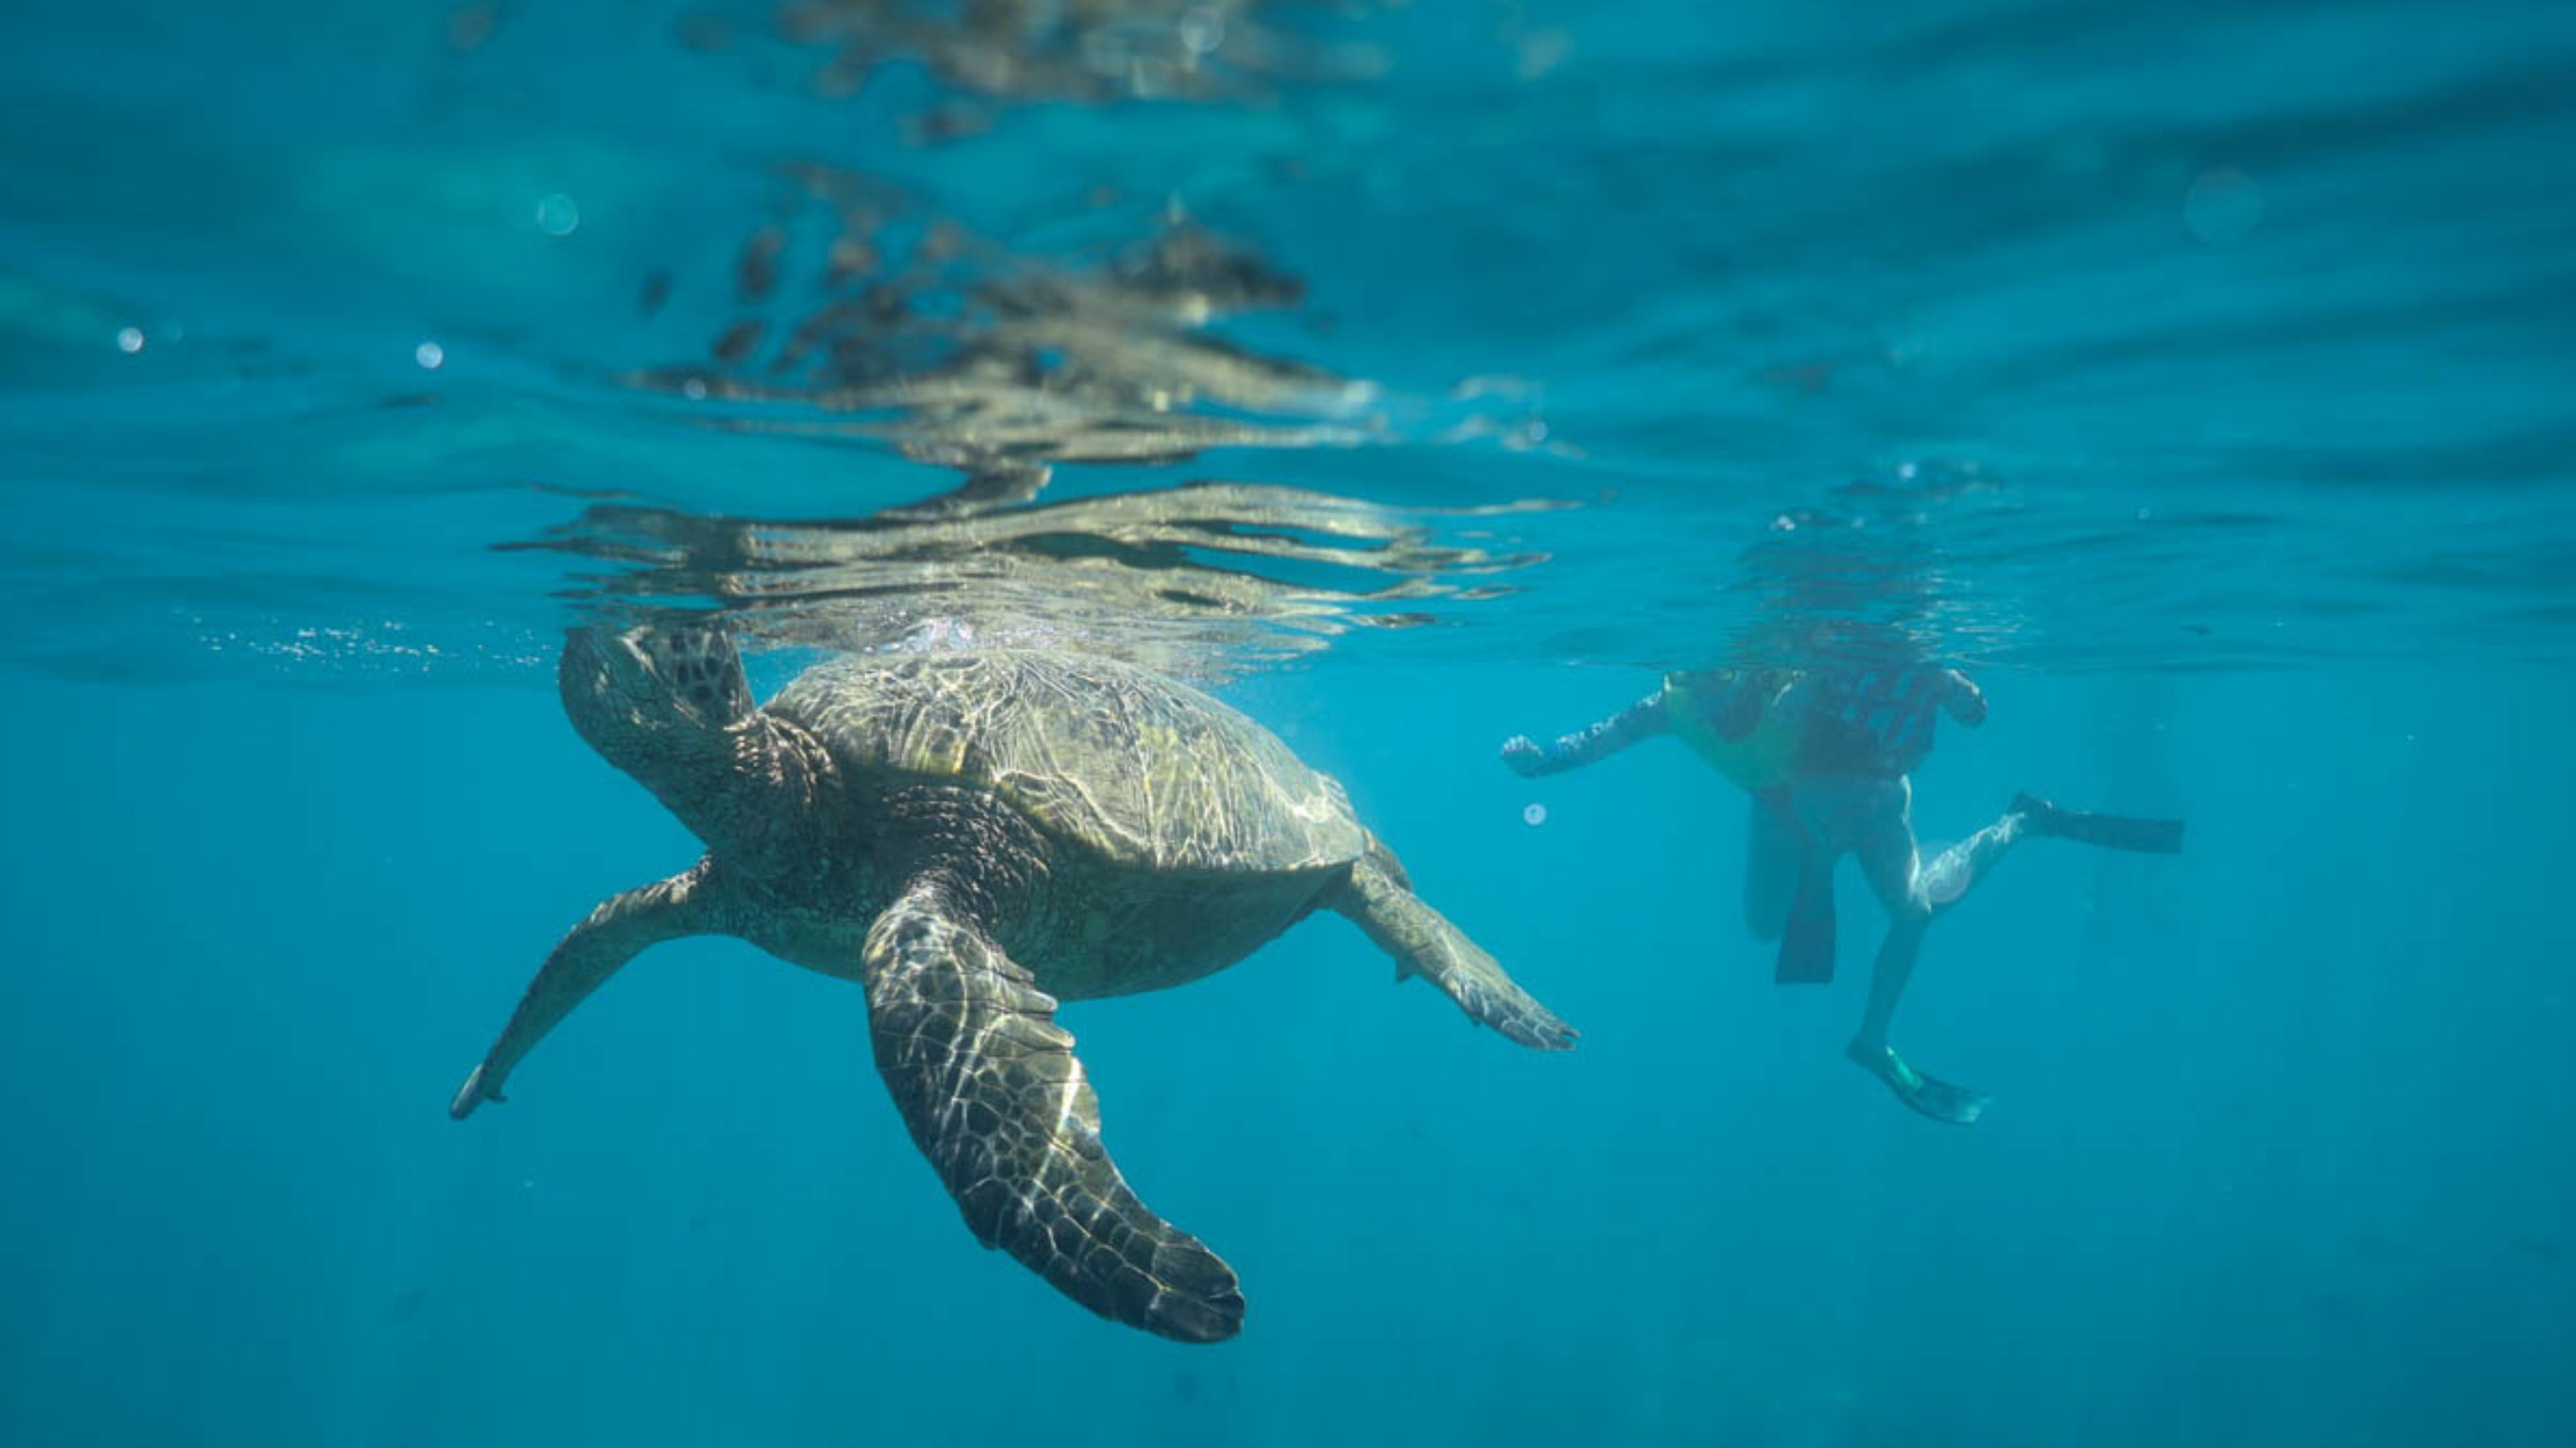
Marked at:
<point>1419,374</point>
<point>2127,337</point>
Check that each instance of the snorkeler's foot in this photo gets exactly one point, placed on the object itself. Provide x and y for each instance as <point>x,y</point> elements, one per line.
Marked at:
<point>1930,1095</point>
<point>2109,832</point>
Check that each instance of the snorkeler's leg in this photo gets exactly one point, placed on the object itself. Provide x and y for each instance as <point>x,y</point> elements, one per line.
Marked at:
<point>1889,861</point>
<point>1789,891</point>
<point>1946,878</point>
<point>1883,843</point>
<point>1941,1100</point>
<point>1775,851</point>
<point>1806,955</point>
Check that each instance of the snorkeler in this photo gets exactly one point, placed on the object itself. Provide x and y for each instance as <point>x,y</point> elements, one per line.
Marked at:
<point>1826,756</point>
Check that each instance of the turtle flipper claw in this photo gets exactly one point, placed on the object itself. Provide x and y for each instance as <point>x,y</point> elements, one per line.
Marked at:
<point>472,1094</point>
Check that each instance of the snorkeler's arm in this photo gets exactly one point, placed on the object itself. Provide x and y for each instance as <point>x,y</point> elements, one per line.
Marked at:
<point>1962,698</point>
<point>1638,722</point>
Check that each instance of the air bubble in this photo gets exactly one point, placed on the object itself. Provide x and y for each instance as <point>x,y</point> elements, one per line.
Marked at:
<point>430,356</point>
<point>129,340</point>
<point>1533,815</point>
<point>557,215</point>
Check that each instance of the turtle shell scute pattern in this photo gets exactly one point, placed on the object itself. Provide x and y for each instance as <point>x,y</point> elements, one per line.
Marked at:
<point>1140,769</point>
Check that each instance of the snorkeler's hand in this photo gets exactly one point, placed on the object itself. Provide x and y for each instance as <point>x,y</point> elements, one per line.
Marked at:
<point>1522,753</point>
<point>1965,701</point>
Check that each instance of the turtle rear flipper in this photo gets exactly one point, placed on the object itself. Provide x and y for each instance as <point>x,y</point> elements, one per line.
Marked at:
<point>1380,900</point>
<point>989,1087</point>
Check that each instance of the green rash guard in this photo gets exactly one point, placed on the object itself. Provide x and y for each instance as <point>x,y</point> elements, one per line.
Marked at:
<point>1764,756</point>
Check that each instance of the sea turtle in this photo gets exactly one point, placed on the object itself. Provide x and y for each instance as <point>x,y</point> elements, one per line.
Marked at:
<point>971,835</point>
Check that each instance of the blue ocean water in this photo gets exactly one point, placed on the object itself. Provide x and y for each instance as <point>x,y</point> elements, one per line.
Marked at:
<point>2195,376</point>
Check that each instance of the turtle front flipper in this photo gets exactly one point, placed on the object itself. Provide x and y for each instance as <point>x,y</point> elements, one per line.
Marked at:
<point>991,1090</point>
<point>1380,900</point>
<point>617,930</point>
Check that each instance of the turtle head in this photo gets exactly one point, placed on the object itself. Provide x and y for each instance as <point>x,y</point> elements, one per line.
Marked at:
<point>670,706</point>
<point>667,705</point>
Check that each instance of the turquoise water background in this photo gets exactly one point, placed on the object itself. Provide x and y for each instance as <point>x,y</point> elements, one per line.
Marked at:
<point>2197,375</point>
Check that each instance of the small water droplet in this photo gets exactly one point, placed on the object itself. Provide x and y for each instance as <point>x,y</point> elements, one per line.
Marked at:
<point>429,355</point>
<point>1534,815</point>
<point>557,215</point>
<point>129,340</point>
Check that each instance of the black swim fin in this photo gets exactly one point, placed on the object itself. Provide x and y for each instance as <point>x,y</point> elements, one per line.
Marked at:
<point>1930,1095</point>
<point>1807,941</point>
<point>2110,832</point>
